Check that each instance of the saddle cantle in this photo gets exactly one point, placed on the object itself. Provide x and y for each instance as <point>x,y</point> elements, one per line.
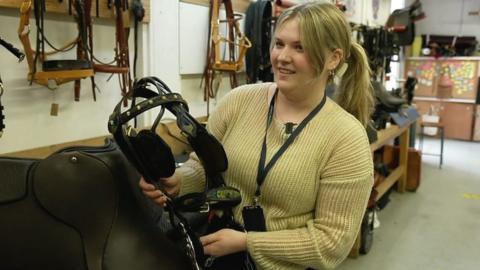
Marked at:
<point>79,208</point>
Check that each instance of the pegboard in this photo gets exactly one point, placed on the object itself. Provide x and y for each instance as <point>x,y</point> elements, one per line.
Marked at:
<point>62,7</point>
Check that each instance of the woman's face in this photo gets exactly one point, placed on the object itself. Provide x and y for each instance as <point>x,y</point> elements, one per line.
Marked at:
<point>290,63</point>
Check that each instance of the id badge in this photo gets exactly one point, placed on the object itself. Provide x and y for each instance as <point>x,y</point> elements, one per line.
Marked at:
<point>253,218</point>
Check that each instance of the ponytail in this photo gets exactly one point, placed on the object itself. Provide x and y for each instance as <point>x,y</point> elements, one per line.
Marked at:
<point>355,93</point>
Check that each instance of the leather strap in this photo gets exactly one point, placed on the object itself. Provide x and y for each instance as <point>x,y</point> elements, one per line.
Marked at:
<point>121,63</point>
<point>258,28</point>
<point>2,117</point>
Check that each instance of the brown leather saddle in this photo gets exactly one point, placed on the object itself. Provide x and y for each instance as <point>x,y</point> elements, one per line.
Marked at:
<point>80,208</point>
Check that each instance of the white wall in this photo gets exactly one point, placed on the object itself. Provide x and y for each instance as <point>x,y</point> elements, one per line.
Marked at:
<point>28,122</point>
<point>446,17</point>
<point>27,108</point>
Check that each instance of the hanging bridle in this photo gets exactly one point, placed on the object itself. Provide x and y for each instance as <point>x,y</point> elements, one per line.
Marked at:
<point>54,72</point>
<point>235,40</point>
<point>20,57</point>
<point>121,63</point>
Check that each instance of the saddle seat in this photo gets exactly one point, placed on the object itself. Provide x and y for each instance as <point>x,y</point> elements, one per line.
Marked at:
<point>80,208</point>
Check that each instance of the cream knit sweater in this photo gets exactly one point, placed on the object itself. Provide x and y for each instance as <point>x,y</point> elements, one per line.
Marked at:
<point>313,198</point>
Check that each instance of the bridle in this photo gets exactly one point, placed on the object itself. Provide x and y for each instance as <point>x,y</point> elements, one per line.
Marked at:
<point>153,158</point>
<point>235,40</point>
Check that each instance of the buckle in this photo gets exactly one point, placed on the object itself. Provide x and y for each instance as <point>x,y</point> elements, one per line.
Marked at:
<point>204,208</point>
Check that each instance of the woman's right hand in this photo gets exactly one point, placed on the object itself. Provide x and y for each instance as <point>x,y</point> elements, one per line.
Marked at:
<point>171,185</point>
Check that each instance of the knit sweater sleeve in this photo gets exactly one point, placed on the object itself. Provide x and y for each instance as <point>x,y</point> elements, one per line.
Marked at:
<point>326,240</point>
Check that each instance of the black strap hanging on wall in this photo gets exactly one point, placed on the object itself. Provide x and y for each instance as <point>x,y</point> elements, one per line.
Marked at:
<point>2,117</point>
<point>258,29</point>
<point>138,13</point>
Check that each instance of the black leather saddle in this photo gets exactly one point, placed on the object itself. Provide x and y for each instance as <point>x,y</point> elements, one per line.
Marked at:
<point>402,23</point>
<point>80,208</point>
<point>385,99</point>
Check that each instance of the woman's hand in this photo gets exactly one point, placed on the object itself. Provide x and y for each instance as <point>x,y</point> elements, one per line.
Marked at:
<point>171,185</point>
<point>224,242</point>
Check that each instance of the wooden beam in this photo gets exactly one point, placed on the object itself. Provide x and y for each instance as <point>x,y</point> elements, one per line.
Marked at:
<point>168,131</point>
<point>54,6</point>
<point>238,5</point>
<point>386,135</point>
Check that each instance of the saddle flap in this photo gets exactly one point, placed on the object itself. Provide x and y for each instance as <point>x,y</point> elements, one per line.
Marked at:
<point>13,175</point>
<point>85,182</point>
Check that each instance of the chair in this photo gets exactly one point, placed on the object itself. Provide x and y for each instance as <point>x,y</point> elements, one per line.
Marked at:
<point>440,127</point>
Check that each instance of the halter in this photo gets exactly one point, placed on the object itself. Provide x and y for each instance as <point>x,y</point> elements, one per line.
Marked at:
<point>236,40</point>
<point>54,72</point>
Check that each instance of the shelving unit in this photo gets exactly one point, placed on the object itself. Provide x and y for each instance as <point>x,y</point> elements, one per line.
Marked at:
<point>398,175</point>
<point>448,87</point>
<point>61,7</point>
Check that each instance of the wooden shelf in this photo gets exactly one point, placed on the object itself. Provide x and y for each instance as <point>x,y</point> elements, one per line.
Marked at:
<point>54,6</point>
<point>457,100</point>
<point>386,135</point>
<point>391,179</point>
<point>398,175</point>
<point>168,131</point>
<point>459,58</point>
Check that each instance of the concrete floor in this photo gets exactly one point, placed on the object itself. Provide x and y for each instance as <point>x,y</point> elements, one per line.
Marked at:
<point>438,226</point>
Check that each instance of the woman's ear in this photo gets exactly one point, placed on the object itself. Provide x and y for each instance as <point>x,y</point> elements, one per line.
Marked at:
<point>334,59</point>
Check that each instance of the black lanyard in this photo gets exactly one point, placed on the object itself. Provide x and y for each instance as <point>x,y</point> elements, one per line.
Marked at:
<point>262,169</point>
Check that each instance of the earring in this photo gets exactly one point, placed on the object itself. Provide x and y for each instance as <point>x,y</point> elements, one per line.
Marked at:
<point>331,73</point>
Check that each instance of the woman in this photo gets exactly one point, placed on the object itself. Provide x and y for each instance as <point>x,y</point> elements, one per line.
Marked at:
<point>314,193</point>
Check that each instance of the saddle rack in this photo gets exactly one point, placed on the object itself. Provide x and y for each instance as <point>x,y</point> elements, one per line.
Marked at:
<point>54,72</point>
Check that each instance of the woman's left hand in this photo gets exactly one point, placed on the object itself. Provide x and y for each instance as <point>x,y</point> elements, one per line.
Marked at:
<point>224,242</point>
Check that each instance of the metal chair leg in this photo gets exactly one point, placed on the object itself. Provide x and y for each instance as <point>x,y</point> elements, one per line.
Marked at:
<point>420,143</point>
<point>441,146</point>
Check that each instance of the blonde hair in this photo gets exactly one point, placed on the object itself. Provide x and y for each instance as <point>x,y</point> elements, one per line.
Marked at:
<point>323,28</point>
